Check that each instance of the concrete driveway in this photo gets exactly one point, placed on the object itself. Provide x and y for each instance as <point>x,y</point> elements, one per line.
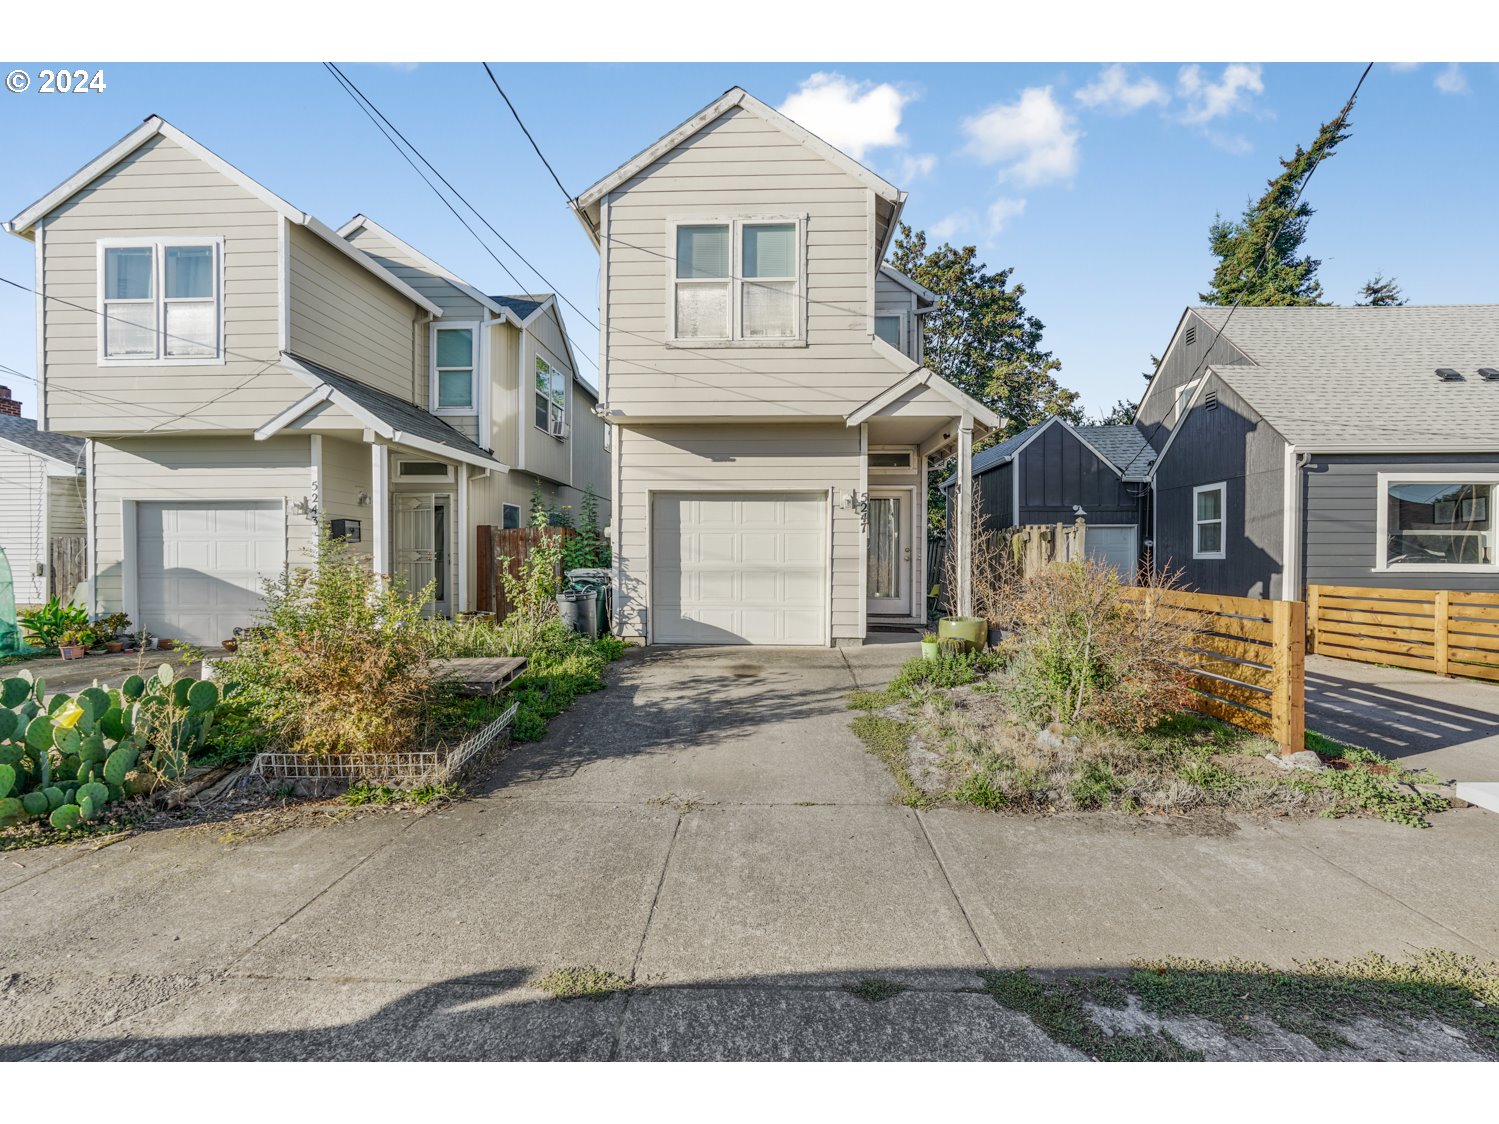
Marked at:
<point>707,828</point>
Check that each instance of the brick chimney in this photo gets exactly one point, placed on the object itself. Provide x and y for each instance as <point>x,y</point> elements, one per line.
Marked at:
<point>9,405</point>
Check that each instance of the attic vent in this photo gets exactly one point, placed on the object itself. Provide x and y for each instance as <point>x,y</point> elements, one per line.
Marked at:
<point>1189,337</point>
<point>1489,374</point>
<point>1450,374</point>
<point>1210,400</point>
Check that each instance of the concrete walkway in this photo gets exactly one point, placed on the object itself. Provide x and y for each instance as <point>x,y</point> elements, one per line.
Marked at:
<point>708,828</point>
<point>1450,726</point>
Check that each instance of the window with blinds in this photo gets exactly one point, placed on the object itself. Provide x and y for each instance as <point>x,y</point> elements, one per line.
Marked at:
<point>737,280</point>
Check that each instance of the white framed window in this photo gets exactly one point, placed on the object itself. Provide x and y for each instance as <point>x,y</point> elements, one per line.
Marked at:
<point>454,361</point>
<point>551,399</point>
<point>884,462</point>
<point>736,281</point>
<point>1183,396</point>
<point>1437,522</point>
<point>423,470</point>
<point>890,325</point>
<point>1209,521</point>
<point>510,516</point>
<point>161,300</point>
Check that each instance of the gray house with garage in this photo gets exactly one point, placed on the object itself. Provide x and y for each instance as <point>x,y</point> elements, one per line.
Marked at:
<point>1327,445</point>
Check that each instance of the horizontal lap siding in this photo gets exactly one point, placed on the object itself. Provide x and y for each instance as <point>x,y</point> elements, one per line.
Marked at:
<point>23,492</point>
<point>346,476</point>
<point>163,189</point>
<point>723,457</point>
<point>1341,506</point>
<point>163,469</point>
<point>742,166</point>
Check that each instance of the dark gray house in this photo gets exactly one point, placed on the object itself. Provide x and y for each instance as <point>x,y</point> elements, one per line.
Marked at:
<point>1327,445</point>
<point>1054,471</point>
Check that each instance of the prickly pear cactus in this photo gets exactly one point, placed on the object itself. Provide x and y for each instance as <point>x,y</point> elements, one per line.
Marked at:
<point>65,817</point>
<point>7,780</point>
<point>35,803</point>
<point>133,687</point>
<point>11,811</point>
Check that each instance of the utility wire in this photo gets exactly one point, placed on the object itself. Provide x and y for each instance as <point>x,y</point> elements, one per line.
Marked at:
<point>540,155</point>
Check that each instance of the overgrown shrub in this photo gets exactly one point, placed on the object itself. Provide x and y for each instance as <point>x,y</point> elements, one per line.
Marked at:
<point>531,589</point>
<point>341,660</point>
<point>562,665</point>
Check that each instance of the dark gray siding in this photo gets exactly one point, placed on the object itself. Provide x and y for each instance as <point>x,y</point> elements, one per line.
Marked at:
<point>996,495</point>
<point>1233,444</point>
<point>1176,369</point>
<point>1340,498</point>
<point>1057,470</point>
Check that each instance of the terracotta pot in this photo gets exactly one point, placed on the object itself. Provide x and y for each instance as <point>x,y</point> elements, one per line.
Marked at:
<point>114,646</point>
<point>231,645</point>
<point>72,651</point>
<point>164,645</point>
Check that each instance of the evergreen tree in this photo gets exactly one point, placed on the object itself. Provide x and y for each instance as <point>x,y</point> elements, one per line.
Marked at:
<point>1260,262</point>
<point>1121,413</point>
<point>1380,292</point>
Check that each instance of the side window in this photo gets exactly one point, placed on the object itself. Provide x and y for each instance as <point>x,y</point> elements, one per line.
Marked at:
<point>453,366</point>
<point>511,516</point>
<point>890,326</point>
<point>161,300</point>
<point>1209,508</point>
<point>551,399</point>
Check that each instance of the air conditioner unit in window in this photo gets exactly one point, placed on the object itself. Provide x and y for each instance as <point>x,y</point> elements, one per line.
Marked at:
<point>559,428</point>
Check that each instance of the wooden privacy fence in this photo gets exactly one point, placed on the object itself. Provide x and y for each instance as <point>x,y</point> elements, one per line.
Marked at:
<point>1246,662</point>
<point>68,564</point>
<point>1037,545</point>
<point>513,544</point>
<point>1444,631</point>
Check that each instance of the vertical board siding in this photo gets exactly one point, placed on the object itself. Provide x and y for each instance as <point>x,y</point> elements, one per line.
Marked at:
<point>1183,363</point>
<point>161,189</point>
<point>1341,507</point>
<point>742,458</point>
<point>1057,470</point>
<point>345,318</point>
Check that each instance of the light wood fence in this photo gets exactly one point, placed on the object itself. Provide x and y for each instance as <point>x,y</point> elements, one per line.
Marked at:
<point>1035,546</point>
<point>1443,631</point>
<point>1247,660</point>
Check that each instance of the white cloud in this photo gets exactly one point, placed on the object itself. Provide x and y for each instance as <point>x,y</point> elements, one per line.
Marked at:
<point>916,167</point>
<point>1233,143</point>
<point>1402,67</point>
<point>949,226</point>
<point>1452,80</point>
<point>1206,99</point>
<point>1113,91</point>
<point>852,116</point>
<point>1002,210</point>
<point>1034,137</point>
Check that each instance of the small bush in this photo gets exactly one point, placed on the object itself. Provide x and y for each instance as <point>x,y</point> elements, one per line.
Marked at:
<point>1095,785</point>
<point>562,665</point>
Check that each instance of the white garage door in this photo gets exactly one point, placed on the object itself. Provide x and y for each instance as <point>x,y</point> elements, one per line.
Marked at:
<point>1114,546</point>
<point>739,568</point>
<point>200,566</point>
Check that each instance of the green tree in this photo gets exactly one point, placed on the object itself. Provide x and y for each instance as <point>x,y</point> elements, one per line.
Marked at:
<point>1380,292</point>
<point>1260,259</point>
<point>1121,413</point>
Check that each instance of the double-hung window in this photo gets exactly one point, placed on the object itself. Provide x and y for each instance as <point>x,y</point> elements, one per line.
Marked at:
<point>737,281</point>
<point>551,399</point>
<point>890,326</point>
<point>161,300</point>
<point>1209,509</point>
<point>1437,522</point>
<point>453,367</point>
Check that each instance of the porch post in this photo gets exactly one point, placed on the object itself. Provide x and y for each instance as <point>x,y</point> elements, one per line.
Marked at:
<point>460,603</point>
<point>380,507</point>
<point>964,515</point>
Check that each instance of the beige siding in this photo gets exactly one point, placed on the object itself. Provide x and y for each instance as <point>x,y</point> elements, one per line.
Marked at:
<point>504,397</point>
<point>742,166</point>
<point>455,304</point>
<point>728,457</point>
<point>590,458</point>
<point>547,456</point>
<point>345,318</point>
<point>23,496</point>
<point>195,468</point>
<point>161,189</point>
<point>346,476</point>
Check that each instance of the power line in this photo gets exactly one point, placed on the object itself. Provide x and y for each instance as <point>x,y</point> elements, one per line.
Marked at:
<point>514,113</point>
<point>363,101</point>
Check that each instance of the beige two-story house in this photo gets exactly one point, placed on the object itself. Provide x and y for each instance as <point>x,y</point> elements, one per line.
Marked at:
<point>248,376</point>
<point>761,369</point>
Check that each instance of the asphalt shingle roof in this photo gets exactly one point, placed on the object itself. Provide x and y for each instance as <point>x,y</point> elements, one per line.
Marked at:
<point>1345,376</point>
<point>521,306</point>
<point>396,412</point>
<point>58,446</point>
<point>1124,445</point>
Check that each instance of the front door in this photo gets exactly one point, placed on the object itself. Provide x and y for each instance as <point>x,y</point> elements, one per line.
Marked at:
<point>888,573</point>
<point>419,546</point>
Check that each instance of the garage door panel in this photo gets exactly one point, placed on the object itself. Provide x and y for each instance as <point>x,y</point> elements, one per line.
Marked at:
<point>739,568</point>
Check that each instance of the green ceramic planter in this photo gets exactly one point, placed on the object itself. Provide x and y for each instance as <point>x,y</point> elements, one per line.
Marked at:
<point>929,649</point>
<point>973,632</point>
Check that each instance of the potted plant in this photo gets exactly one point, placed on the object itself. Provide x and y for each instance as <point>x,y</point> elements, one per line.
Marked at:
<point>112,629</point>
<point>971,632</point>
<point>144,640</point>
<point>928,645</point>
<point>165,644</point>
<point>73,644</point>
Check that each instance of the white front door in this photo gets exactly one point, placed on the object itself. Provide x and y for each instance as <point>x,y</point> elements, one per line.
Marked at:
<point>419,545</point>
<point>887,580</point>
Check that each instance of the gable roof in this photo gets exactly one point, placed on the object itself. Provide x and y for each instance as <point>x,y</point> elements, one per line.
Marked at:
<point>1119,446</point>
<point>523,307</point>
<point>393,418</point>
<point>736,97</point>
<point>905,282</point>
<point>59,447</point>
<point>1324,375</point>
<point>154,126</point>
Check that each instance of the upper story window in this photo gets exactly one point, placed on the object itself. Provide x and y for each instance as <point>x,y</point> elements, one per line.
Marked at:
<point>890,326</point>
<point>551,399</point>
<point>454,388</point>
<point>1183,396</point>
<point>1209,505</point>
<point>737,281</point>
<point>162,300</point>
<point>1439,523</point>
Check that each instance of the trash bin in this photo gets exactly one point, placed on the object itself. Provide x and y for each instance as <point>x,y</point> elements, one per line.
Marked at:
<point>600,583</point>
<point>579,610</point>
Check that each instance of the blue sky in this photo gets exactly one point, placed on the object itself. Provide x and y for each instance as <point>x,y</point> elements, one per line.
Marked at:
<point>1095,183</point>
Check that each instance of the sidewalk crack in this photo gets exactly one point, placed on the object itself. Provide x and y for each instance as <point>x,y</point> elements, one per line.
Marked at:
<point>953,890</point>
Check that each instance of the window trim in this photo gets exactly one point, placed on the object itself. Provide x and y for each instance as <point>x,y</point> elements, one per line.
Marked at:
<point>402,462</point>
<point>1183,399</point>
<point>902,315</point>
<point>472,409</point>
<point>519,521</point>
<point>556,373</point>
<point>158,243</point>
<point>1222,521</point>
<point>1383,480</point>
<point>736,224</point>
<point>911,468</point>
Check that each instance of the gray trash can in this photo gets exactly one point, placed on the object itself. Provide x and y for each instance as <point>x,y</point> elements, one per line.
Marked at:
<point>579,610</point>
<point>600,583</point>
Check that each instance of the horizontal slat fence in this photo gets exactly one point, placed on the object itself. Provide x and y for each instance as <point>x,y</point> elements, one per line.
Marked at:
<point>1247,660</point>
<point>1443,631</point>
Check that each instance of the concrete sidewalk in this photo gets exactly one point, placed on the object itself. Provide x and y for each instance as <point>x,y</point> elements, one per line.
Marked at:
<point>710,829</point>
